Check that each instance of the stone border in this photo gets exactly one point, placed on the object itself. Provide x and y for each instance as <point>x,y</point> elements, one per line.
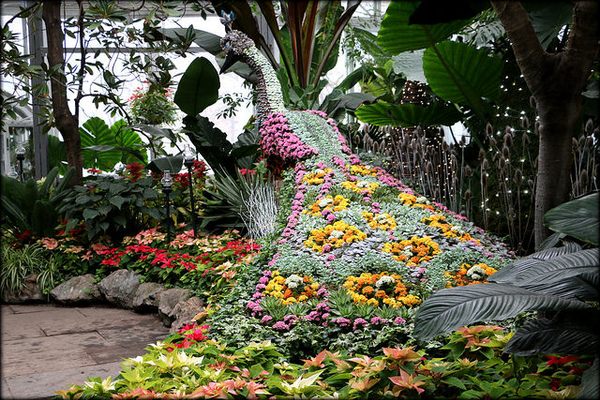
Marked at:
<point>122,289</point>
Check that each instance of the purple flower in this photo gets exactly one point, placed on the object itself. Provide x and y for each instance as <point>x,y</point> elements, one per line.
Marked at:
<point>399,321</point>
<point>266,319</point>
<point>281,326</point>
<point>378,321</point>
<point>330,218</point>
<point>342,322</point>
<point>359,323</point>
<point>260,286</point>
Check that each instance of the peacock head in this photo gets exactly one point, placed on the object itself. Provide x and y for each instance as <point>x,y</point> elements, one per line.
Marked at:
<point>236,42</point>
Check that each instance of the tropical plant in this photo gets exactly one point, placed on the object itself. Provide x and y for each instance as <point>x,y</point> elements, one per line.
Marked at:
<point>112,207</point>
<point>560,283</point>
<point>103,146</point>
<point>31,207</point>
<point>198,89</point>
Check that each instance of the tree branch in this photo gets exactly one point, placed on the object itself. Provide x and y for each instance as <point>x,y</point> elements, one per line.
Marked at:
<point>584,34</point>
<point>82,62</point>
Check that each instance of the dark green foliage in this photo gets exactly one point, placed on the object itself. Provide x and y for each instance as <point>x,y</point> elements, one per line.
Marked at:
<point>30,206</point>
<point>112,207</point>
<point>575,218</point>
<point>562,282</point>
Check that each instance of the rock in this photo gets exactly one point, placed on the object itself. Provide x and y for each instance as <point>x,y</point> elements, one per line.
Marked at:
<point>167,300</point>
<point>120,287</point>
<point>185,311</point>
<point>31,292</point>
<point>80,289</point>
<point>146,297</point>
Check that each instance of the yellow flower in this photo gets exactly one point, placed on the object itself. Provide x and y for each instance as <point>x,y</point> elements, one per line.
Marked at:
<point>362,290</point>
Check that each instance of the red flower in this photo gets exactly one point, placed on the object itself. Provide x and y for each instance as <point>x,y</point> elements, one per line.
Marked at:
<point>134,171</point>
<point>23,236</point>
<point>552,360</point>
<point>245,171</point>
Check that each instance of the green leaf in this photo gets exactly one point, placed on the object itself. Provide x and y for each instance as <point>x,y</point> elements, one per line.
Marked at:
<point>577,218</point>
<point>397,35</point>
<point>548,18</point>
<point>549,272</point>
<point>451,308</point>
<point>408,115</point>
<point>462,74</point>
<point>455,382</point>
<point>171,163</point>
<point>590,383</point>
<point>198,87</point>
<point>97,143</point>
<point>575,333</point>
<point>210,142</point>
<point>89,213</point>
<point>117,201</point>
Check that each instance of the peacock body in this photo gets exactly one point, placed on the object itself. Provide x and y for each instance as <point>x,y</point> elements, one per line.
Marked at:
<point>359,249</point>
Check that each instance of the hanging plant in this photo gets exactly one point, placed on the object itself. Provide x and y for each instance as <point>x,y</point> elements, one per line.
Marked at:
<point>153,106</point>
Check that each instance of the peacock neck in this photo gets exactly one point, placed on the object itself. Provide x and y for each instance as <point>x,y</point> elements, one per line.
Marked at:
<point>268,88</point>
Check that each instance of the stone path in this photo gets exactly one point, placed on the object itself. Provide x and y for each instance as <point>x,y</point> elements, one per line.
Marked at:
<point>47,348</point>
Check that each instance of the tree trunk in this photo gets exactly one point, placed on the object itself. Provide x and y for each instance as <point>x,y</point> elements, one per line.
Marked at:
<point>556,82</point>
<point>66,122</point>
<point>555,159</point>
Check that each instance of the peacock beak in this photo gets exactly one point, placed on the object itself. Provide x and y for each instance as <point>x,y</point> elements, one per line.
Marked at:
<point>230,59</point>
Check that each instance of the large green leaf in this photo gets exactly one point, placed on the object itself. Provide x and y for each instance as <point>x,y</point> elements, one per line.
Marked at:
<point>171,163</point>
<point>577,218</point>
<point>129,142</point>
<point>548,18</point>
<point>407,115</point>
<point>575,333</point>
<point>532,270</point>
<point>210,142</point>
<point>198,87</point>
<point>451,308</point>
<point>583,287</point>
<point>590,382</point>
<point>98,145</point>
<point>462,74</point>
<point>397,35</point>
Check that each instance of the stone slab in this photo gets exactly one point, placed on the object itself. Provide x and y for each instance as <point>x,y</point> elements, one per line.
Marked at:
<point>26,309</point>
<point>23,326</point>
<point>26,356</point>
<point>5,392</point>
<point>34,365</point>
<point>45,384</point>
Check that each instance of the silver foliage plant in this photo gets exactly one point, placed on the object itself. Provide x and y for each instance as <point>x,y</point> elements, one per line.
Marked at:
<point>259,212</point>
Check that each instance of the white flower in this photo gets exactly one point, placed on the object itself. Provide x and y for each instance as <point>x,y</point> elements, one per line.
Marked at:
<point>362,184</point>
<point>293,281</point>
<point>385,280</point>
<point>476,272</point>
<point>422,200</point>
<point>336,234</point>
<point>325,202</point>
